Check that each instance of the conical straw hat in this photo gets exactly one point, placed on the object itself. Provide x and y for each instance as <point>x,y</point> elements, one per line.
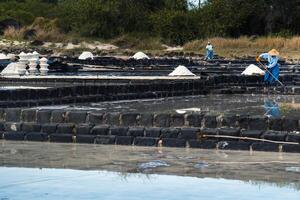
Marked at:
<point>273,52</point>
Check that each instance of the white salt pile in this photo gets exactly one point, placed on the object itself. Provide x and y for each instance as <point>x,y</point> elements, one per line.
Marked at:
<point>181,71</point>
<point>86,55</point>
<point>253,70</point>
<point>140,56</point>
<point>10,70</point>
<point>3,56</point>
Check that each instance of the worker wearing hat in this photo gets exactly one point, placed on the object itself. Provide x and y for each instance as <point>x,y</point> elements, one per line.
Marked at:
<point>273,66</point>
<point>209,51</point>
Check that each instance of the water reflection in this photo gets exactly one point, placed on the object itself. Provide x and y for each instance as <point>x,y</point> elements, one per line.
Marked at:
<point>271,108</point>
<point>21,183</point>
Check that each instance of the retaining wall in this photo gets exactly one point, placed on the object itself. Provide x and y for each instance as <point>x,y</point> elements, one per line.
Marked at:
<point>159,129</point>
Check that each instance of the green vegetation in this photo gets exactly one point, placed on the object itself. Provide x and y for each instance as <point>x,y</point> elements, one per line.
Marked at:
<point>171,21</point>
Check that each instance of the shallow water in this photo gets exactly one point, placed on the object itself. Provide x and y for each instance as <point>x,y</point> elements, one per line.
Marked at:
<point>73,171</point>
<point>21,183</point>
<point>263,105</point>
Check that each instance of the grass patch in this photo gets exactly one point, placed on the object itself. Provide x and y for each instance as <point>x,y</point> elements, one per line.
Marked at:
<point>248,46</point>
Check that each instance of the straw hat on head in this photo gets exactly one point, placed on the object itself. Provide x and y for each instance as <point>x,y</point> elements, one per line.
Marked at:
<point>273,52</point>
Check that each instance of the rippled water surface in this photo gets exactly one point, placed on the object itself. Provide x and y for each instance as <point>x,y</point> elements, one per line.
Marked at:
<point>263,105</point>
<point>74,171</point>
<point>21,183</point>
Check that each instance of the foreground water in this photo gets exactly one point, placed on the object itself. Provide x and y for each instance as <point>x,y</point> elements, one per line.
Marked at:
<point>18,183</point>
<point>73,171</point>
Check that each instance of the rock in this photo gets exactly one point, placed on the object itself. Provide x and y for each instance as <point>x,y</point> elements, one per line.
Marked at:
<point>124,140</point>
<point>145,141</point>
<point>85,139</point>
<point>37,43</point>
<point>206,144</point>
<point>63,138</point>
<point>172,142</point>
<point>29,34</point>
<point>37,137</point>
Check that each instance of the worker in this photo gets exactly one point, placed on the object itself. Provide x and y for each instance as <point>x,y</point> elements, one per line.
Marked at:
<point>209,51</point>
<point>272,70</point>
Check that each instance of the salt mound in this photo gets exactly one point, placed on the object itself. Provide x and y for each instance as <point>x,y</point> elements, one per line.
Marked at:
<point>3,56</point>
<point>252,70</point>
<point>86,55</point>
<point>140,56</point>
<point>11,69</point>
<point>181,71</point>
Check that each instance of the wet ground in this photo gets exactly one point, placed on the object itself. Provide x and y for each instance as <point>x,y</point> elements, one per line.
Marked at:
<point>73,171</point>
<point>273,106</point>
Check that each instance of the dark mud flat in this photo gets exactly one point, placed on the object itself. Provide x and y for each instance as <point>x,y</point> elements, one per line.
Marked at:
<point>72,171</point>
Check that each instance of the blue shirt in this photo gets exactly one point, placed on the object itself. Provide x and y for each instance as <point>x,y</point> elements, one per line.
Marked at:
<point>273,60</point>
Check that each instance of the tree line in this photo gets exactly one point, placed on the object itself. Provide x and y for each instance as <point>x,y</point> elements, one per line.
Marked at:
<point>174,21</point>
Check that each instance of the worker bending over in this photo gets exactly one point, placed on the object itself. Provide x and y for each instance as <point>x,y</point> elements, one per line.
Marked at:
<point>209,51</point>
<point>273,66</point>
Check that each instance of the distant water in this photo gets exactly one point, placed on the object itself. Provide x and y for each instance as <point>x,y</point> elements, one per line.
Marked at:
<point>34,184</point>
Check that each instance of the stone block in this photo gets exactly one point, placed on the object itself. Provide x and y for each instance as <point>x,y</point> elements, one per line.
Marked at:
<point>172,142</point>
<point>65,128</point>
<point>274,136</point>
<point>243,121</point>
<point>251,133</point>
<point>209,131</point>
<point>257,123</point>
<point>229,132</point>
<point>96,118</point>
<point>85,139</point>
<point>83,129</point>
<point>112,119</point>
<point>61,138</point>
<point>43,116</point>
<point>292,137</point>
<point>194,120</point>
<point>136,131</point>
<point>37,137</point>
<point>153,132</point>
<point>100,130</point>
<point>291,148</point>
<point>145,120</point>
<point>206,144</point>
<point>124,140</point>
<point>169,132</point>
<point>263,146</point>
<point>145,141</point>
<point>290,124</point>
<point>29,115</point>
<point>11,126</point>
<point>105,139</point>
<point>189,133</point>
<point>2,127</point>
<point>76,117</point>
<point>12,115</point>
<point>17,136</point>
<point>31,127</point>
<point>229,121</point>
<point>129,119</point>
<point>119,131</point>
<point>58,116</point>
<point>275,124</point>
<point>49,128</point>
<point>210,121</point>
<point>234,145</point>
<point>161,120</point>
<point>177,120</point>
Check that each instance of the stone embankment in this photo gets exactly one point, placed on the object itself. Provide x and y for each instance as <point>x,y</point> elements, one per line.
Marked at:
<point>225,132</point>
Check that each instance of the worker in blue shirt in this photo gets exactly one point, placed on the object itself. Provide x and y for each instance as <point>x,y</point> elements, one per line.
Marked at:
<point>273,66</point>
<point>209,51</point>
